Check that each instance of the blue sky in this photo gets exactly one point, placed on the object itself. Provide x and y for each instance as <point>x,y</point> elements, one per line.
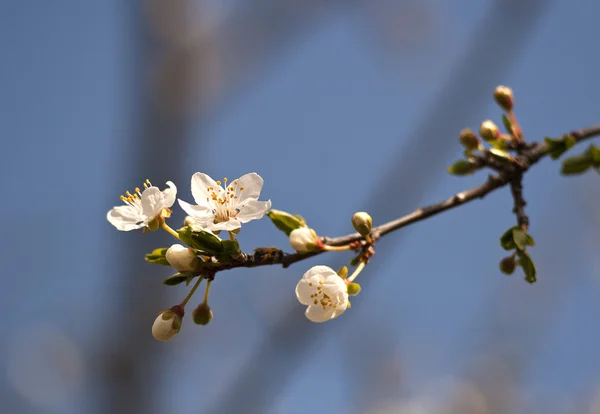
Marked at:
<point>319,122</point>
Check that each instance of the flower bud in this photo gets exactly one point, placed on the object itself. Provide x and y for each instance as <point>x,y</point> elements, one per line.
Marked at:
<point>362,223</point>
<point>508,265</point>
<point>181,258</point>
<point>343,272</point>
<point>202,315</point>
<point>468,139</point>
<point>489,131</point>
<point>167,324</point>
<point>353,289</point>
<point>304,240</point>
<point>504,97</point>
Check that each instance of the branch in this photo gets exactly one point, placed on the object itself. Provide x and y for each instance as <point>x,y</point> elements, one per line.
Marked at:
<point>511,174</point>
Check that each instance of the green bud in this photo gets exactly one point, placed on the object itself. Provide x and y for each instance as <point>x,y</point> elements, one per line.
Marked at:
<point>343,272</point>
<point>468,139</point>
<point>154,224</point>
<point>353,289</point>
<point>489,131</point>
<point>504,97</point>
<point>508,265</point>
<point>362,223</point>
<point>202,315</point>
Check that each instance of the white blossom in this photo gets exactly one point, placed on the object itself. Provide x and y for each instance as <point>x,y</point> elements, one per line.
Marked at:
<point>220,208</point>
<point>166,325</point>
<point>324,292</point>
<point>181,258</point>
<point>141,207</point>
<point>304,239</point>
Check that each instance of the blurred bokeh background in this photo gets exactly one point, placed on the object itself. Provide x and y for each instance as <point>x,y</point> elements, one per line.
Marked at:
<point>341,105</point>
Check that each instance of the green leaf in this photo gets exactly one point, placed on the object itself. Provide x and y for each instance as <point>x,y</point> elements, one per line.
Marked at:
<point>520,238</point>
<point>178,278</point>
<point>462,167</point>
<point>594,155</point>
<point>301,219</point>
<point>499,154</point>
<point>529,240</point>
<point>204,241</point>
<point>507,124</point>
<point>577,164</point>
<point>231,250</point>
<point>557,147</point>
<point>285,221</point>
<point>507,240</point>
<point>528,266</point>
<point>158,256</point>
<point>499,143</point>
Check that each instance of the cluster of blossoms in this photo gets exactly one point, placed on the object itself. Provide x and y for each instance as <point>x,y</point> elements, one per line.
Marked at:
<point>225,206</point>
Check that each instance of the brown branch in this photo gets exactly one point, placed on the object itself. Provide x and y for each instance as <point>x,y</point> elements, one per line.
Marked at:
<point>512,174</point>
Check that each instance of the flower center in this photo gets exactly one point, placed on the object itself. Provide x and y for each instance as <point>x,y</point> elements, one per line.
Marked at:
<point>135,199</point>
<point>224,200</point>
<point>320,297</point>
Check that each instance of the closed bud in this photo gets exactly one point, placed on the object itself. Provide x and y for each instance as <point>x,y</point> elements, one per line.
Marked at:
<point>202,315</point>
<point>167,324</point>
<point>504,97</point>
<point>468,139</point>
<point>304,240</point>
<point>489,131</point>
<point>362,223</point>
<point>353,289</point>
<point>181,258</point>
<point>343,272</point>
<point>508,265</point>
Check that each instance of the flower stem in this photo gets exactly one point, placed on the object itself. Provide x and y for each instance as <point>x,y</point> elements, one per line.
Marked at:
<point>189,296</point>
<point>207,290</point>
<point>165,226</point>
<point>356,272</point>
<point>337,248</point>
<point>231,235</point>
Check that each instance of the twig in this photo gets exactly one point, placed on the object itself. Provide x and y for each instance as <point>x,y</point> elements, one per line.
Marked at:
<point>529,155</point>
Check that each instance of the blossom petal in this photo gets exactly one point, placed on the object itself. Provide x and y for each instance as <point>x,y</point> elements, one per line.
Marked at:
<point>125,218</point>
<point>169,194</point>
<point>321,271</point>
<point>200,188</point>
<point>338,310</point>
<point>229,225</point>
<point>316,313</point>
<point>304,290</point>
<point>253,210</point>
<point>201,214</point>
<point>335,285</point>
<point>152,202</point>
<point>252,184</point>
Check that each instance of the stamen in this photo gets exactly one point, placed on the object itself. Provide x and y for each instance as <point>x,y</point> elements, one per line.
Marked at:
<point>218,182</point>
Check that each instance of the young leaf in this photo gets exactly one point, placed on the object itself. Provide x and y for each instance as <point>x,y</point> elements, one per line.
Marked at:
<point>231,250</point>
<point>507,240</point>
<point>204,241</point>
<point>462,167</point>
<point>158,256</point>
<point>520,238</point>
<point>499,154</point>
<point>507,124</point>
<point>577,164</point>
<point>528,266</point>
<point>557,147</point>
<point>285,221</point>
<point>178,278</point>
